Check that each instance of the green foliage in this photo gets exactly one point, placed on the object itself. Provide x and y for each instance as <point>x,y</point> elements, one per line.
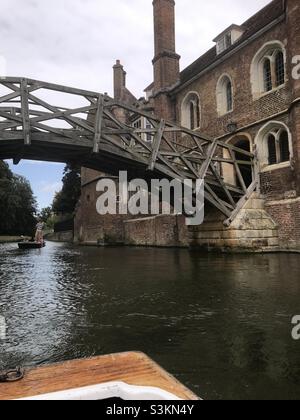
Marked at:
<point>17,204</point>
<point>47,216</point>
<point>66,200</point>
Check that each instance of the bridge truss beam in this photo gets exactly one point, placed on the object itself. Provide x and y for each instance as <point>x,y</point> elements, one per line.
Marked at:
<point>96,131</point>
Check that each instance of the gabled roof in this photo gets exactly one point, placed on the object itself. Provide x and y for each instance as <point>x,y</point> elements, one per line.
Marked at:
<point>257,22</point>
<point>150,87</point>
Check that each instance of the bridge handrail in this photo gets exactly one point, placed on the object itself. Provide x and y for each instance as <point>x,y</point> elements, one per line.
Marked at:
<point>105,124</point>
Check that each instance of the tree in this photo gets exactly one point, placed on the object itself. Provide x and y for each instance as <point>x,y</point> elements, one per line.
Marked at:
<point>66,200</point>
<point>17,204</point>
<point>5,172</point>
<point>45,214</point>
<point>48,217</point>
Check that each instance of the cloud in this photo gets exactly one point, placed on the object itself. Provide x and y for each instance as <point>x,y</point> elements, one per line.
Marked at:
<point>50,188</point>
<point>37,162</point>
<point>76,42</point>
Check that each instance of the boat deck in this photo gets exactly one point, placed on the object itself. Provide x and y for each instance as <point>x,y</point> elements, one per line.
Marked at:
<point>31,245</point>
<point>132,368</point>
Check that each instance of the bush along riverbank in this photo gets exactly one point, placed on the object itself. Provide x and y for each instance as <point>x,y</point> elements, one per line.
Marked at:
<point>8,239</point>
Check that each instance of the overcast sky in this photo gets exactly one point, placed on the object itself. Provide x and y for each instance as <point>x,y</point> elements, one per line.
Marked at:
<point>76,42</point>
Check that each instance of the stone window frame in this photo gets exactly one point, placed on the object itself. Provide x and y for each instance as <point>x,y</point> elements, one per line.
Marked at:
<point>192,99</point>
<point>269,51</point>
<point>143,123</point>
<point>222,95</point>
<point>274,128</point>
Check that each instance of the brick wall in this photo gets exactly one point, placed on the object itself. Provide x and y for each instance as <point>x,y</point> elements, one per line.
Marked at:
<point>163,231</point>
<point>278,184</point>
<point>246,110</point>
<point>286,213</point>
<point>92,227</point>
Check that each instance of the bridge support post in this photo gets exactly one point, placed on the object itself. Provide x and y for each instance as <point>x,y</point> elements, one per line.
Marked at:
<point>25,111</point>
<point>156,144</point>
<point>98,124</point>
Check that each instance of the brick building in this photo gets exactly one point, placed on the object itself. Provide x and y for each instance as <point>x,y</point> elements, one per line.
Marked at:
<point>245,91</point>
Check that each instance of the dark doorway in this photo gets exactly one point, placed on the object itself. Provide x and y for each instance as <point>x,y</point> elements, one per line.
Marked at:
<point>246,170</point>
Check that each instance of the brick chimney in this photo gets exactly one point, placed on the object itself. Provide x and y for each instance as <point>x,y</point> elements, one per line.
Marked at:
<point>166,61</point>
<point>119,80</point>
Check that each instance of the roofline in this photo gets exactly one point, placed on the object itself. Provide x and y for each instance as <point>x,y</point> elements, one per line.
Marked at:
<point>149,87</point>
<point>230,28</point>
<point>230,53</point>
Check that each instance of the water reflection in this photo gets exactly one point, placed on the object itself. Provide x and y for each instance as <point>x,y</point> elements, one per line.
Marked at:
<point>221,324</point>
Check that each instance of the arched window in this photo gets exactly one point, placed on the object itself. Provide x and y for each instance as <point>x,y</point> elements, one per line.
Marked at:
<point>224,95</point>
<point>229,96</point>
<point>272,155</point>
<point>192,115</point>
<point>278,146</point>
<point>284,146</point>
<point>268,70</point>
<point>280,68</point>
<point>274,144</point>
<point>191,112</point>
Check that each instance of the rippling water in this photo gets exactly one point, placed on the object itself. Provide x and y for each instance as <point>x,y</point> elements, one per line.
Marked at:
<point>221,324</point>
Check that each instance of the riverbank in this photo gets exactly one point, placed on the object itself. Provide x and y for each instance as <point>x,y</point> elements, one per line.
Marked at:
<point>12,239</point>
<point>67,236</point>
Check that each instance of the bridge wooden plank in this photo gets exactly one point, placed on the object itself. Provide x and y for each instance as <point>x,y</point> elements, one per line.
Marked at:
<point>104,132</point>
<point>235,149</point>
<point>53,87</point>
<point>98,124</point>
<point>223,184</point>
<point>173,126</point>
<point>16,91</point>
<point>238,171</point>
<point>210,152</point>
<point>217,204</point>
<point>241,203</point>
<point>156,144</point>
<point>25,112</point>
<point>73,121</point>
<point>225,206</point>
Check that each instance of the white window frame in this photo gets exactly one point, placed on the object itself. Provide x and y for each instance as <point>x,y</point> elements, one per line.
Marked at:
<point>268,50</point>
<point>261,142</point>
<point>221,94</point>
<point>185,110</point>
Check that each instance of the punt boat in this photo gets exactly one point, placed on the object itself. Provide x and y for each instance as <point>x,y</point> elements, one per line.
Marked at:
<point>126,376</point>
<point>31,245</point>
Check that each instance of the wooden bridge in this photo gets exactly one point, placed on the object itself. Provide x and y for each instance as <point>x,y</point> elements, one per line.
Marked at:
<point>43,121</point>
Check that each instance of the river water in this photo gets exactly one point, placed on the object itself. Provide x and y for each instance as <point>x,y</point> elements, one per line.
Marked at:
<point>220,323</point>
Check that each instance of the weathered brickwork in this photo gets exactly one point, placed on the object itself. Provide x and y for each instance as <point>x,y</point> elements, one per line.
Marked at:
<point>246,110</point>
<point>91,227</point>
<point>279,184</point>
<point>287,216</point>
<point>161,231</point>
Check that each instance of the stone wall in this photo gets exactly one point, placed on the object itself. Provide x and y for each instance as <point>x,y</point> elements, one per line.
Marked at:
<point>90,227</point>
<point>161,231</point>
<point>60,236</point>
<point>253,230</point>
